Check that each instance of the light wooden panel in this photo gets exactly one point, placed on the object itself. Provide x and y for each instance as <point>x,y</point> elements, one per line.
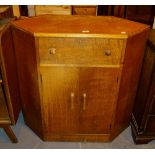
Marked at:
<point>100,87</point>
<point>153,24</point>
<point>60,99</point>
<point>16,11</point>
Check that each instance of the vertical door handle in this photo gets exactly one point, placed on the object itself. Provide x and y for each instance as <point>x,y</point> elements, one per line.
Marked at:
<point>72,100</point>
<point>84,101</point>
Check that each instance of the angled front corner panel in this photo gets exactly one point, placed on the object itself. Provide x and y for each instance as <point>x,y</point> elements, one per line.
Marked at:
<point>28,78</point>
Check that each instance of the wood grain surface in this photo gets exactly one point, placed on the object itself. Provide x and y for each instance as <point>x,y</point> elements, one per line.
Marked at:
<point>9,74</point>
<point>4,115</point>
<point>28,79</point>
<point>84,10</point>
<point>53,9</point>
<point>87,25</point>
<point>85,51</point>
<point>78,91</point>
<point>129,82</point>
<point>100,86</point>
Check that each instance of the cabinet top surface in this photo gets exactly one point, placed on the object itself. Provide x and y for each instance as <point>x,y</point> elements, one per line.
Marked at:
<point>81,25</point>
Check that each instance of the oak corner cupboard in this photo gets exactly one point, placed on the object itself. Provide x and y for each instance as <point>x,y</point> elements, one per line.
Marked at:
<point>78,75</point>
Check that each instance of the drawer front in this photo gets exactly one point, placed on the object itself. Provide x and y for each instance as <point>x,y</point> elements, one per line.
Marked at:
<point>83,51</point>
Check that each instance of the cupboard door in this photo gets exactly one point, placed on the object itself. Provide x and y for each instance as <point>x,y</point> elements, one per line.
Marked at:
<point>60,95</point>
<point>98,94</point>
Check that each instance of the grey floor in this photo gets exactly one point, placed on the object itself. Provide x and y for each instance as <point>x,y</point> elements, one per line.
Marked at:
<point>28,140</point>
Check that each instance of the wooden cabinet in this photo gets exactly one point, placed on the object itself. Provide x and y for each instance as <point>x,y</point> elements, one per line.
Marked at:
<point>63,9</point>
<point>9,89</point>
<point>84,10</point>
<point>6,11</point>
<point>53,9</point>
<point>75,75</point>
<point>143,117</point>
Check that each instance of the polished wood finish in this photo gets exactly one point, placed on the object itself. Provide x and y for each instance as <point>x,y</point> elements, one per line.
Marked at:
<point>143,117</point>
<point>80,25</point>
<point>84,54</point>
<point>77,115</point>
<point>129,81</point>
<point>10,133</point>
<point>9,74</point>
<point>101,86</point>
<point>80,71</point>
<point>28,78</point>
<point>60,117</point>
<point>9,90</point>
<point>4,115</point>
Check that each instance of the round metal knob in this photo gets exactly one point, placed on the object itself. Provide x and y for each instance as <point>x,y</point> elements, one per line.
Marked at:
<point>107,52</point>
<point>52,51</point>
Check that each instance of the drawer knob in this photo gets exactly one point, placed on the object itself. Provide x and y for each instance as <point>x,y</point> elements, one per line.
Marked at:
<point>107,52</point>
<point>52,51</point>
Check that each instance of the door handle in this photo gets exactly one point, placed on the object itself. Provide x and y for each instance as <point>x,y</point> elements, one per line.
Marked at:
<point>84,101</point>
<point>72,100</point>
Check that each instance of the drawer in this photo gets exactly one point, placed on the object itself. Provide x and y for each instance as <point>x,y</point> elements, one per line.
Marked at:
<point>83,51</point>
<point>84,10</point>
<point>53,9</point>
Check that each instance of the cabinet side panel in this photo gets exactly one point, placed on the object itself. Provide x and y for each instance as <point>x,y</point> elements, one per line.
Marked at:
<point>9,74</point>
<point>28,78</point>
<point>141,106</point>
<point>130,75</point>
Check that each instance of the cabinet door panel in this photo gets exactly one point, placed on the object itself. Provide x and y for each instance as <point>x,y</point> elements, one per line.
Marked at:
<point>98,91</point>
<point>60,94</point>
